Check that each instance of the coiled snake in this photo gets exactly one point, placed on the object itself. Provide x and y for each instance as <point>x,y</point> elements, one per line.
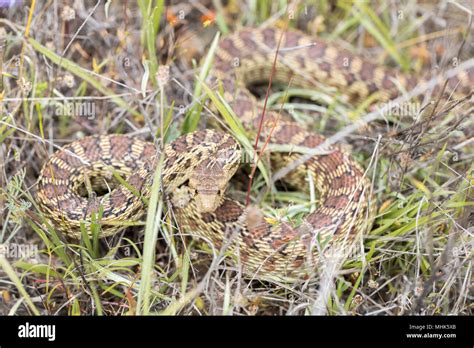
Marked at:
<point>199,165</point>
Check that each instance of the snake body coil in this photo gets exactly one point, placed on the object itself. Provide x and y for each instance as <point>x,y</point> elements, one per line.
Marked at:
<point>198,166</point>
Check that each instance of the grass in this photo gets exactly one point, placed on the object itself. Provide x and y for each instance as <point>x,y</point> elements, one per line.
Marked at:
<point>415,260</point>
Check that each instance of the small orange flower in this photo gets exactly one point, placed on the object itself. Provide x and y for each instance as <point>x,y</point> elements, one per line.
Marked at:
<point>208,18</point>
<point>171,18</point>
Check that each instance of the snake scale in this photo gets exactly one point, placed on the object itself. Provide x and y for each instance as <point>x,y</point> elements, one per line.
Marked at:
<point>199,165</point>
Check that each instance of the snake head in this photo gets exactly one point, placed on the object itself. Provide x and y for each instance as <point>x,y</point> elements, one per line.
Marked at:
<point>209,181</point>
<point>207,193</point>
<point>209,186</point>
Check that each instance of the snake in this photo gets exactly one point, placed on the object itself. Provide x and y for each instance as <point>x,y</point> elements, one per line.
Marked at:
<point>198,166</point>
